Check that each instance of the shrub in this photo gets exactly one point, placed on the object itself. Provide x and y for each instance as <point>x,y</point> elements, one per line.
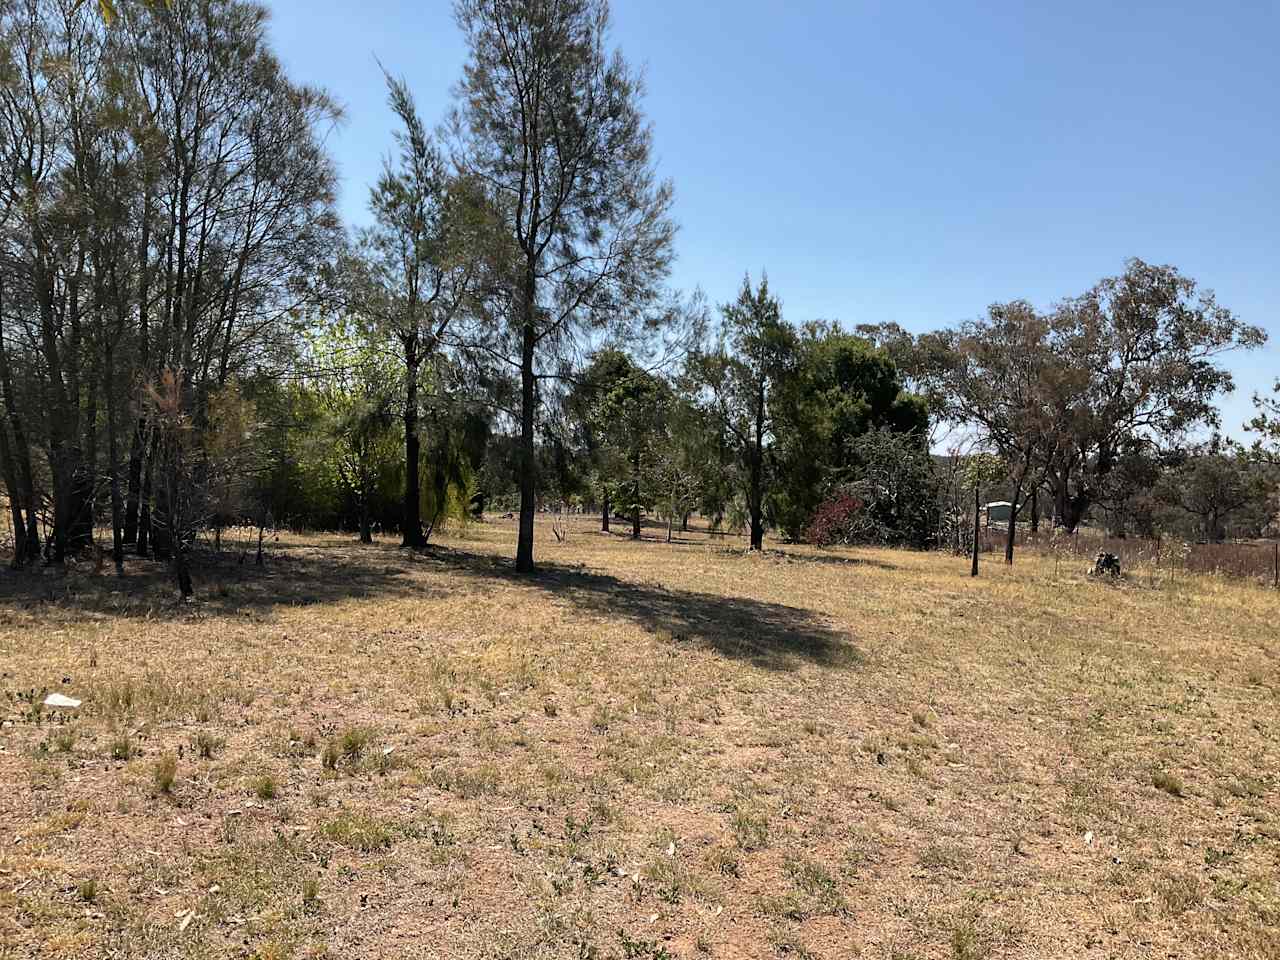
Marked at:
<point>835,521</point>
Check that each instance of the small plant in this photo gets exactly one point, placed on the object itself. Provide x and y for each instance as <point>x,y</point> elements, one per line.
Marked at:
<point>310,894</point>
<point>122,748</point>
<point>64,740</point>
<point>353,743</point>
<point>601,717</point>
<point>87,890</point>
<point>966,942</point>
<point>1167,782</point>
<point>329,759</point>
<point>360,831</point>
<point>264,787</point>
<point>163,773</point>
<point>818,886</point>
<point>751,830</point>
<point>206,745</point>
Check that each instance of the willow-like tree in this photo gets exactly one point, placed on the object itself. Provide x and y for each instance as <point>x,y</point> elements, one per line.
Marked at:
<point>549,119</point>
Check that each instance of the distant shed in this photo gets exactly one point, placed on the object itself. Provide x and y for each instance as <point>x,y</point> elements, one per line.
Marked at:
<point>998,511</point>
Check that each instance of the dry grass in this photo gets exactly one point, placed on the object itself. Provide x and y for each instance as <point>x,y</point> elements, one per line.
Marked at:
<point>647,751</point>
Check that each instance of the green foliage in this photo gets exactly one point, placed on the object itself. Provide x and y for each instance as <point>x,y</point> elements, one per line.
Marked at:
<point>840,390</point>
<point>630,413</point>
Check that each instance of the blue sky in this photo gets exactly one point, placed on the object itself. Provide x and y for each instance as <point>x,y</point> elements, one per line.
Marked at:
<point>907,162</point>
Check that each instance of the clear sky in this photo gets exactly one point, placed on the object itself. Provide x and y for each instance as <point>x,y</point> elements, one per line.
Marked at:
<point>907,162</point>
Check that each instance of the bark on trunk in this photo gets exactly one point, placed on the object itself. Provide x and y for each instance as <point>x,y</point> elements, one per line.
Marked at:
<point>134,499</point>
<point>524,545</point>
<point>604,517</point>
<point>977,527</point>
<point>144,501</point>
<point>412,452</point>
<point>366,529</point>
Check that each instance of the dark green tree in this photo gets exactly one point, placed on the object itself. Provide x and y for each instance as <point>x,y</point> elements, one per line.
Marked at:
<point>840,388</point>
<point>740,382</point>
<point>550,121</point>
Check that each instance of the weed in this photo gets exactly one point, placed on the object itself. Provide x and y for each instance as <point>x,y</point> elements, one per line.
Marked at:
<point>817,885</point>
<point>1168,783</point>
<point>205,745</point>
<point>750,829</point>
<point>264,787</point>
<point>122,748</point>
<point>943,856</point>
<point>360,831</point>
<point>64,739</point>
<point>353,743</point>
<point>87,890</point>
<point>163,773</point>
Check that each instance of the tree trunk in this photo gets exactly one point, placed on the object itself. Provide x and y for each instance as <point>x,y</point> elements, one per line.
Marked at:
<point>977,526</point>
<point>1035,509</point>
<point>22,495</point>
<point>604,517</point>
<point>412,453</point>
<point>133,502</point>
<point>1013,530</point>
<point>528,462</point>
<point>183,571</point>
<point>366,529</point>
<point>144,500</point>
<point>15,508</point>
<point>1014,506</point>
<point>117,505</point>
<point>755,496</point>
<point>635,509</point>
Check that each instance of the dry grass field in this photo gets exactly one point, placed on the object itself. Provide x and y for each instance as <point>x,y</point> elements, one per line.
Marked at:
<point>647,751</point>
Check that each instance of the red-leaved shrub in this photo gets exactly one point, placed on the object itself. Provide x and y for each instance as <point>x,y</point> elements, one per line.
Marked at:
<point>835,520</point>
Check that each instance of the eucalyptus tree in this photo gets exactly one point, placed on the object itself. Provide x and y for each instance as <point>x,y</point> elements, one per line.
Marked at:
<point>1001,383</point>
<point>1136,358</point>
<point>550,121</point>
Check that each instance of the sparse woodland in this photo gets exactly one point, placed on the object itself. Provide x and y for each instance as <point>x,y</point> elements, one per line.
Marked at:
<point>454,585</point>
<point>193,342</point>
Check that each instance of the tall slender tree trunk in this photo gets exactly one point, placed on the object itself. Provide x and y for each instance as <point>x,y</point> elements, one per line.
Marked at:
<point>113,453</point>
<point>756,496</point>
<point>412,452</point>
<point>1035,509</point>
<point>977,526</point>
<point>604,516</point>
<point>23,495</point>
<point>366,528</point>
<point>528,460</point>
<point>145,519</point>
<point>635,507</point>
<point>15,500</point>
<point>134,499</point>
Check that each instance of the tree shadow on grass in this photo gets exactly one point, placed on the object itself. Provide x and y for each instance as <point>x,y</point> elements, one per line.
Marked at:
<point>772,636</point>
<point>226,584</point>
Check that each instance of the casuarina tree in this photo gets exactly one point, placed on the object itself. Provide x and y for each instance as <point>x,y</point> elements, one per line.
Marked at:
<point>549,119</point>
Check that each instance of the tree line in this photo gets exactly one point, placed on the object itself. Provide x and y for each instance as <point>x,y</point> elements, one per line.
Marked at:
<point>190,339</point>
